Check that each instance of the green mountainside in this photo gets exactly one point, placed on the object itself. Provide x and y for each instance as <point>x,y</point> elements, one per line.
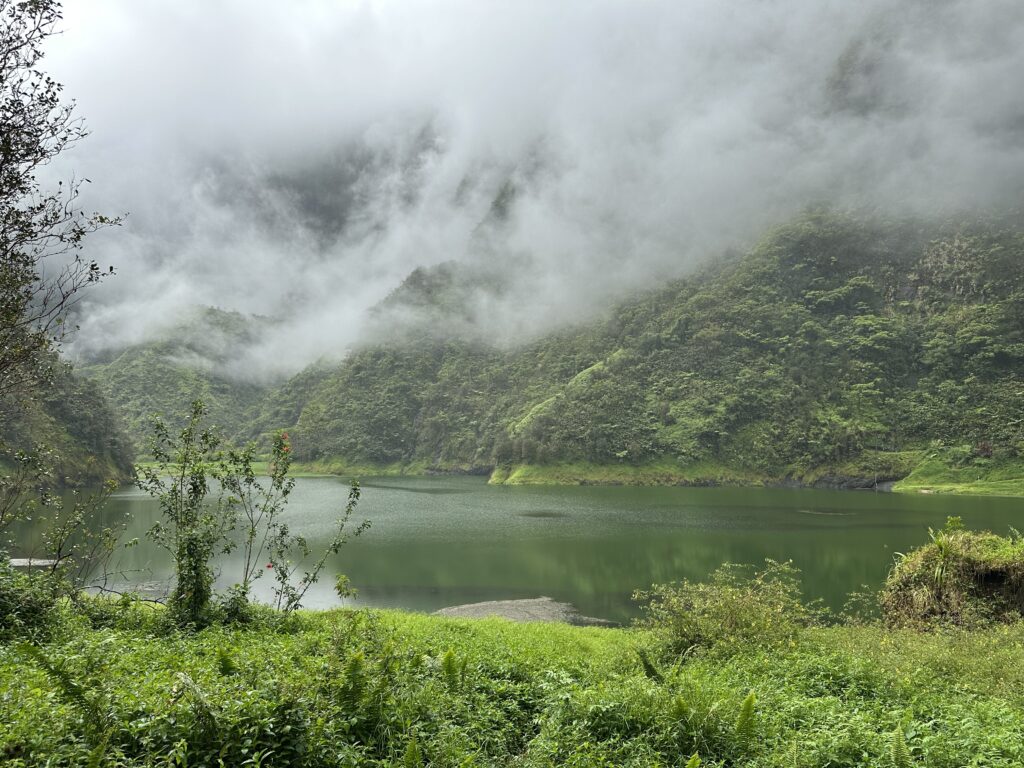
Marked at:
<point>71,418</point>
<point>187,361</point>
<point>838,351</point>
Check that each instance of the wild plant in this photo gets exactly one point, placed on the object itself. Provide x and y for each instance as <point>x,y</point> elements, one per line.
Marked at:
<point>735,609</point>
<point>203,491</point>
<point>264,531</point>
<point>194,525</point>
<point>283,546</point>
<point>90,699</point>
<point>898,750</point>
<point>744,729</point>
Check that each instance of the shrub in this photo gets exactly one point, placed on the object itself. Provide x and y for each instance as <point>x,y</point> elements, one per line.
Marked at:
<point>735,608</point>
<point>27,601</point>
<point>958,578</point>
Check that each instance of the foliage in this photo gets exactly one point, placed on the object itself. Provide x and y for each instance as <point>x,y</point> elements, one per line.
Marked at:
<point>259,506</point>
<point>196,358</point>
<point>69,421</point>
<point>264,530</point>
<point>378,688</point>
<point>27,602</point>
<point>73,553</point>
<point>194,527</point>
<point>204,493</point>
<point>734,609</point>
<point>959,578</point>
<point>37,225</point>
<point>838,351</point>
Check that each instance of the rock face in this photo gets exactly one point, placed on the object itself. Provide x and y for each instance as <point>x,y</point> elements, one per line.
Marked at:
<point>535,609</point>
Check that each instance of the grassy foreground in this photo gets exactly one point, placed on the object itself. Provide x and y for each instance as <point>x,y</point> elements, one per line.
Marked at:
<point>382,688</point>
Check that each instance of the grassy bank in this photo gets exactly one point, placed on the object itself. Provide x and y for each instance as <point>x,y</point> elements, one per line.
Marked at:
<point>939,472</point>
<point>383,688</point>
<point>949,470</point>
<point>655,473</point>
<point>952,470</point>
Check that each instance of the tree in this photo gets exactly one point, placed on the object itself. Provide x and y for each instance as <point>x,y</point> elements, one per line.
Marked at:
<point>196,522</point>
<point>204,494</point>
<point>264,528</point>
<point>41,272</point>
<point>41,229</point>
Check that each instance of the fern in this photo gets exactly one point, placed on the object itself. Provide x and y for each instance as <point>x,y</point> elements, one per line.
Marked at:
<point>898,749</point>
<point>90,703</point>
<point>450,669</point>
<point>202,709</point>
<point>98,752</point>
<point>413,757</point>
<point>744,728</point>
<point>65,683</point>
<point>355,680</point>
<point>679,710</point>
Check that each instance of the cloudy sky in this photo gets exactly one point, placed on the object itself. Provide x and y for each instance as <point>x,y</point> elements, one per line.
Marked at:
<point>298,159</point>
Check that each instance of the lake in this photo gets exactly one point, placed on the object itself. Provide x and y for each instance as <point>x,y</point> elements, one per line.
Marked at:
<point>440,541</point>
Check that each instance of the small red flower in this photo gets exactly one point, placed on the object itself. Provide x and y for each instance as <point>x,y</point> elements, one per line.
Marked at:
<point>270,565</point>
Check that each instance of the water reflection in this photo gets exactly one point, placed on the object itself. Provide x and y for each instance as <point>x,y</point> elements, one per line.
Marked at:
<point>443,541</point>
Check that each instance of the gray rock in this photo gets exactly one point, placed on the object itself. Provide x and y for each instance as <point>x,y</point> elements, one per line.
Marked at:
<point>535,609</point>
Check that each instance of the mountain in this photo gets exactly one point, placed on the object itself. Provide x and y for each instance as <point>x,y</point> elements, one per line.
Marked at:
<point>71,418</point>
<point>197,357</point>
<point>839,350</point>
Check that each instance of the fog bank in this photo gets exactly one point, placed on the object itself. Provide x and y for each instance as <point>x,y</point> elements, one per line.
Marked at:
<point>298,160</point>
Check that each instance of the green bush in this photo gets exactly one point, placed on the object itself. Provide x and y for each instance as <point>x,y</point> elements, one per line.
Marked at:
<point>959,578</point>
<point>27,602</point>
<point>735,610</point>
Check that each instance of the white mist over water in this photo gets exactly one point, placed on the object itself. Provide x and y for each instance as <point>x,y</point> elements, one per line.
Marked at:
<point>299,160</point>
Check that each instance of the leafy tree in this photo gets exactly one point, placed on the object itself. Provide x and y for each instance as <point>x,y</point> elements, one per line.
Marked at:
<point>195,523</point>
<point>41,267</point>
<point>38,226</point>
<point>204,493</point>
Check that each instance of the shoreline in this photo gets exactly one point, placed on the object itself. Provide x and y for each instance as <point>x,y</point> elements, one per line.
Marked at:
<point>923,479</point>
<point>920,474</point>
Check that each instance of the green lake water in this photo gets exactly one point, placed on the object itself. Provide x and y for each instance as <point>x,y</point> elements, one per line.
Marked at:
<point>443,541</point>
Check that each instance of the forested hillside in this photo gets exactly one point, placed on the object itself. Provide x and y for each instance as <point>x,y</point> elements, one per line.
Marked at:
<point>838,349</point>
<point>189,360</point>
<point>71,419</point>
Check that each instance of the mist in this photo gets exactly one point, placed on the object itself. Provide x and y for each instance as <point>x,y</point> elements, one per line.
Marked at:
<point>298,161</point>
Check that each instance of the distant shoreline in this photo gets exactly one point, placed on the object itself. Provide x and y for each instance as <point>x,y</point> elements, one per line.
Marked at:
<point>925,475</point>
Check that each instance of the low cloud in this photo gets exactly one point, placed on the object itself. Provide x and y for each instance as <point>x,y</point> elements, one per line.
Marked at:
<point>298,160</point>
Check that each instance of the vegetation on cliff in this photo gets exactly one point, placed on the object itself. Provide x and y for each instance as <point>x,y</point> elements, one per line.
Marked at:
<point>191,360</point>
<point>839,350</point>
<point>76,427</point>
